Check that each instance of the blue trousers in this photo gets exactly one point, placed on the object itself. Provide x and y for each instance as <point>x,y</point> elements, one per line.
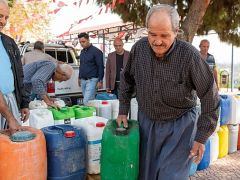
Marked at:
<point>89,89</point>
<point>165,147</point>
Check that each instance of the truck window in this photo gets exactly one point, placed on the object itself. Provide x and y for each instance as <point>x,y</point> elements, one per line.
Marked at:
<point>62,56</point>
<point>51,52</point>
<point>70,58</point>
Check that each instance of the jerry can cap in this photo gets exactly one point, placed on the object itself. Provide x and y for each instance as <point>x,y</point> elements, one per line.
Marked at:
<point>100,124</point>
<point>21,136</point>
<point>70,134</point>
<point>104,102</point>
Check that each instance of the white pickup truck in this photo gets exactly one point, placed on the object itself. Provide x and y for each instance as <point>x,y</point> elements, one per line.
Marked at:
<point>68,55</point>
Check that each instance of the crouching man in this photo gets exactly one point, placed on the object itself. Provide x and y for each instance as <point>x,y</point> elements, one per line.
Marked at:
<point>39,73</point>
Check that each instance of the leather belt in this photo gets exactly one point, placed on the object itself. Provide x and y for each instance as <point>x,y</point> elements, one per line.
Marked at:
<point>87,78</point>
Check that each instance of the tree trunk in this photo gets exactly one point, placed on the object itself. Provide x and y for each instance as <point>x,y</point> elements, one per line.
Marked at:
<point>194,19</point>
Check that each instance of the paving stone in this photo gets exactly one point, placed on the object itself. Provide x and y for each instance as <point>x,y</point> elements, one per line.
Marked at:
<point>226,168</point>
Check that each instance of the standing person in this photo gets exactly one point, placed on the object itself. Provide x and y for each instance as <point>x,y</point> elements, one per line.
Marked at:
<point>37,54</point>
<point>116,61</point>
<point>209,58</point>
<point>11,74</point>
<point>39,73</point>
<point>167,73</point>
<point>91,70</point>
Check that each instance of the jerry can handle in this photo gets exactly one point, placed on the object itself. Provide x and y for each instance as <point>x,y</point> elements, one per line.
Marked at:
<point>121,131</point>
<point>59,128</point>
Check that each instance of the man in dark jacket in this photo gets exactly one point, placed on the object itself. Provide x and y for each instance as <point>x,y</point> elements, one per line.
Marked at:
<point>11,74</point>
<point>116,61</point>
<point>91,70</point>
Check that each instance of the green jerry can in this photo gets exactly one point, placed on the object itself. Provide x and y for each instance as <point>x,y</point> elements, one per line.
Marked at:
<point>83,111</point>
<point>120,151</point>
<point>64,115</point>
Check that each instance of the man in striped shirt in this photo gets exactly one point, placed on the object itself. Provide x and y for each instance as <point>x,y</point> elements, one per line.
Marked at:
<point>37,75</point>
<point>167,74</point>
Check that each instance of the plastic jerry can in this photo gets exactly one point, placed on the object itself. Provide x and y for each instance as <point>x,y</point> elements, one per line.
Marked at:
<point>106,96</point>
<point>105,110</point>
<point>235,114</point>
<point>64,115</point>
<point>225,103</point>
<point>120,151</point>
<point>40,118</point>
<point>223,141</point>
<point>214,147</point>
<point>204,163</point>
<point>93,128</point>
<point>115,108</point>
<point>233,138</point>
<point>193,169</point>
<point>66,152</point>
<point>95,103</point>
<point>84,111</point>
<point>23,155</point>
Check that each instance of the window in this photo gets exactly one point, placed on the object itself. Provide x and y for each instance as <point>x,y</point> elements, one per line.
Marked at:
<point>70,58</point>
<point>51,52</point>
<point>62,56</point>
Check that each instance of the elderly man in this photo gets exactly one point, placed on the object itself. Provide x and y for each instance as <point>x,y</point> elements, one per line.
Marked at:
<point>11,75</point>
<point>37,74</point>
<point>168,73</point>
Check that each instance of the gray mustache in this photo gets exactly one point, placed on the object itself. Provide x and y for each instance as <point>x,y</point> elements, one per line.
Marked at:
<point>161,45</point>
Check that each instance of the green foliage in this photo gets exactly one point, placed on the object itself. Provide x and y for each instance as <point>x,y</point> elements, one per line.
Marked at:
<point>222,16</point>
<point>11,2</point>
<point>33,18</point>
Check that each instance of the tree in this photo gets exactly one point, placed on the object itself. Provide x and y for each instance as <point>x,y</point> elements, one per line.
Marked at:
<point>11,2</point>
<point>197,16</point>
<point>28,18</point>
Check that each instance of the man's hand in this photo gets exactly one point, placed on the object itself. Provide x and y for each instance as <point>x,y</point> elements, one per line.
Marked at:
<point>108,90</point>
<point>197,152</point>
<point>13,125</point>
<point>99,85</point>
<point>53,105</point>
<point>79,82</point>
<point>24,114</point>
<point>50,101</point>
<point>122,119</point>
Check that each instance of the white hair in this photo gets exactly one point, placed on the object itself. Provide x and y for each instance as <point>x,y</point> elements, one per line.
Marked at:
<point>5,2</point>
<point>171,11</point>
<point>67,69</point>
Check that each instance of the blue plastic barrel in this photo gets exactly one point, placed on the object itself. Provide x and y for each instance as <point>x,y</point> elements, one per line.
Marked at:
<point>204,164</point>
<point>106,96</point>
<point>66,152</point>
<point>225,105</point>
